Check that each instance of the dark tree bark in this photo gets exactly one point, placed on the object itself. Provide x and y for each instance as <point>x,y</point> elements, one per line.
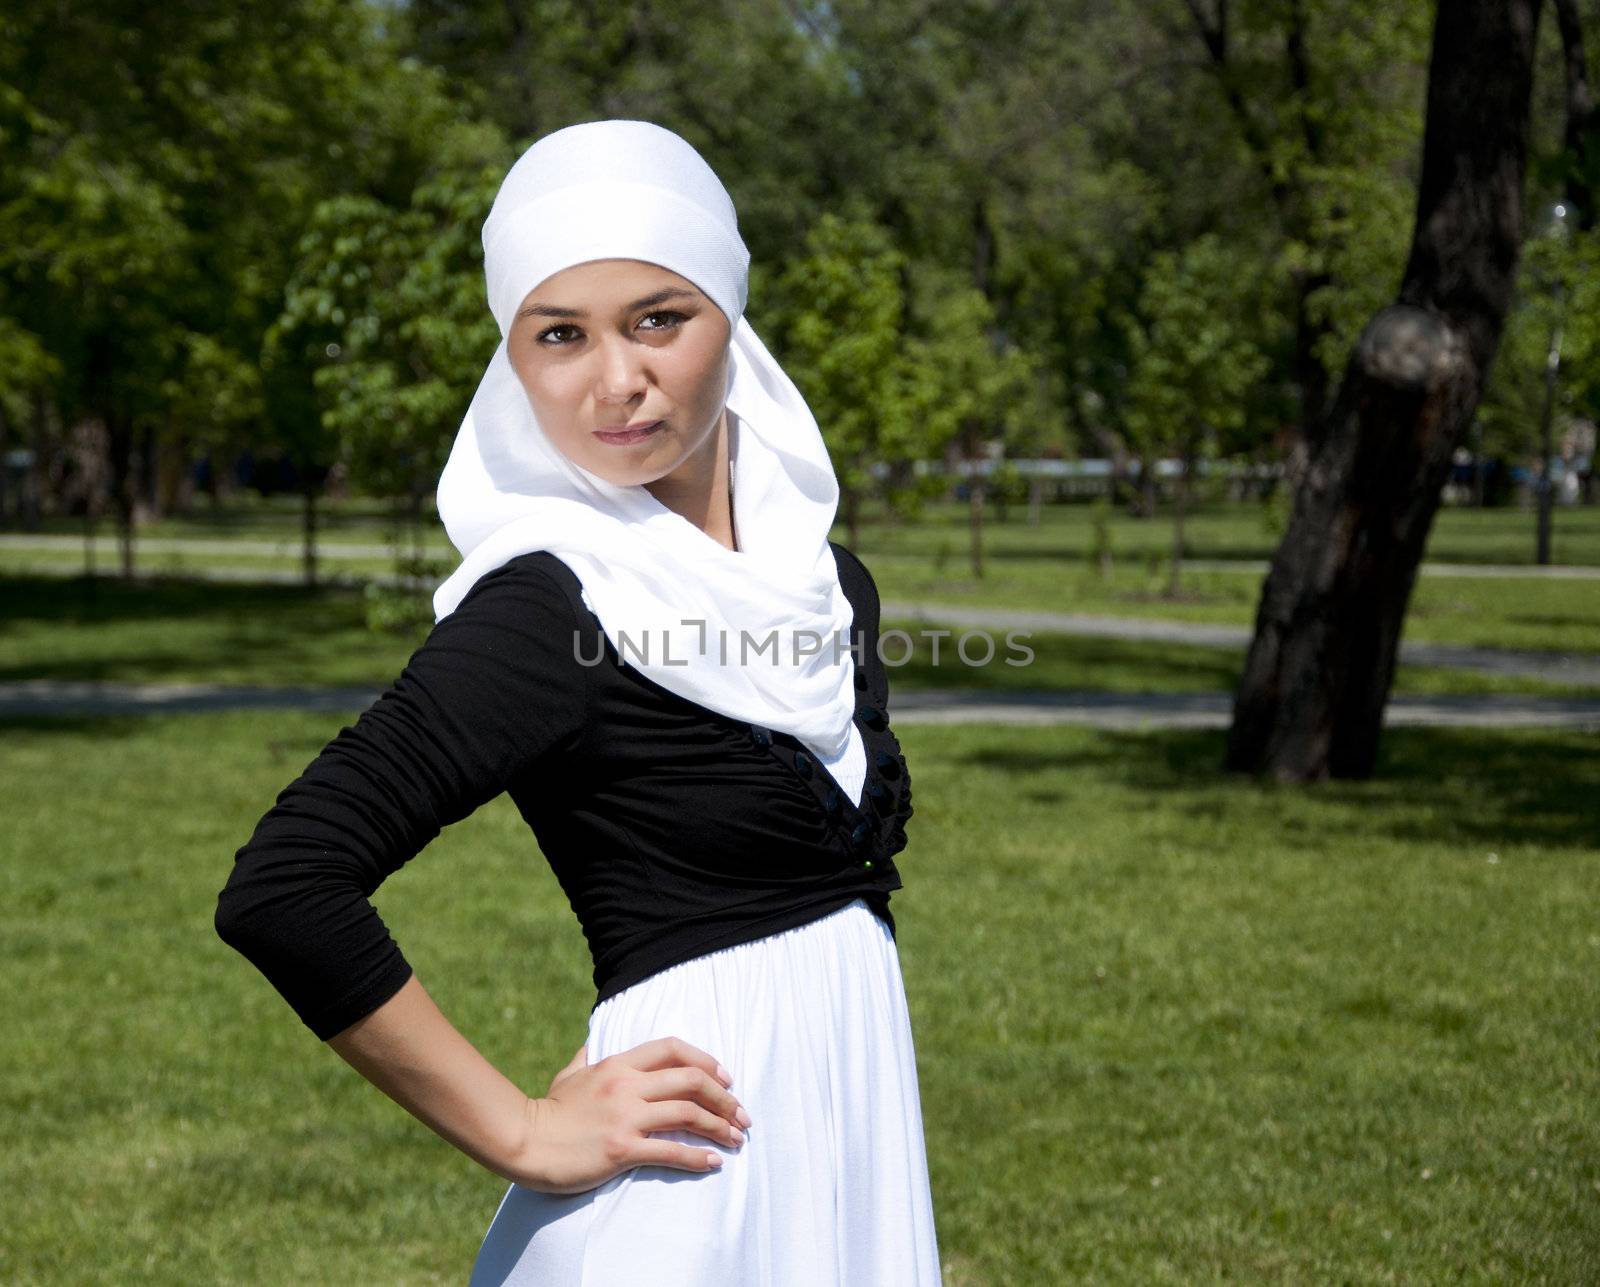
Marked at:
<point>120,430</point>
<point>1579,136</point>
<point>975,495</point>
<point>852,517</point>
<point>1320,666</point>
<point>308,529</point>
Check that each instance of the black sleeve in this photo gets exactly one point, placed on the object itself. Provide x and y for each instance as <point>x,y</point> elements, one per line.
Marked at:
<point>495,685</point>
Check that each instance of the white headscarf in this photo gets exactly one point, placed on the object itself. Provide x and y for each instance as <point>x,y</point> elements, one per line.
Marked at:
<point>633,190</point>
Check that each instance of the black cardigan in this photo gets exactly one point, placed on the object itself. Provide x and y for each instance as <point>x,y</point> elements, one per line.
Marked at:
<point>673,830</point>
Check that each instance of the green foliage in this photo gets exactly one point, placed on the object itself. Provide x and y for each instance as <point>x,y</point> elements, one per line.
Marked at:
<point>26,366</point>
<point>961,373</point>
<point>1558,289</point>
<point>395,295</point>
<point>257,225</point>
<point>840,311</point>
<point>894,372</point>
<point>1196,352</point>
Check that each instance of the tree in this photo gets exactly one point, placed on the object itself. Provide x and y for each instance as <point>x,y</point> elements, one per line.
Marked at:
<point>1320,102</point>
<point>964,383</point>
<point>1321,662</point>
<point>838,313</point>
<point>159,161</point>
<point>399,291</point>
<point>1194,364</point>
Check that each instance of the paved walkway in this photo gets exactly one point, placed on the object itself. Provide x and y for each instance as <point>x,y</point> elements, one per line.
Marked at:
<point>49,698</point>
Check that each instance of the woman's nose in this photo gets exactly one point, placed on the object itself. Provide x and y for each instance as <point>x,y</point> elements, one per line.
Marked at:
<point>621,376</point>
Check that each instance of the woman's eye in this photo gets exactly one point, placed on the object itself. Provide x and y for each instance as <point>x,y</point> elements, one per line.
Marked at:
<point>668,320</point>
<point>544,336</point>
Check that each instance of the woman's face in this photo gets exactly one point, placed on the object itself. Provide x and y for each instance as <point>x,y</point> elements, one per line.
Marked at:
<point>615,343</point>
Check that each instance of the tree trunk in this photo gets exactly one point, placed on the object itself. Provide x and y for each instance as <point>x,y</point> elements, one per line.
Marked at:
<point>1545,495</point>
<point>1179,512</point>
<point>147,493</point>
<point>40,493</point>
<point>1321,663</point>
<point>975,501</point>
<point>308,531</point>
<point>120,430</point>
<point>1581,160</point>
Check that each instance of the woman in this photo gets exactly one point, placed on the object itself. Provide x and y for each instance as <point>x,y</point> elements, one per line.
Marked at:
<point>652,645</point>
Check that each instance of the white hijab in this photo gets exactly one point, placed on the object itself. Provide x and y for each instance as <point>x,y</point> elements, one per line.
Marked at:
<point>672,600</point>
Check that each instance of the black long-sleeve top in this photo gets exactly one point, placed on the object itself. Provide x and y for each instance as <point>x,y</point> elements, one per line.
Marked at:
<point>673,830</point>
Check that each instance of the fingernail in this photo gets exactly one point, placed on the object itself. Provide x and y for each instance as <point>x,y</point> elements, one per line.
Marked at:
<point>737,1135</point>
<point>724,1076</point>
<point>715,1159</point>
<point>742,1117</point>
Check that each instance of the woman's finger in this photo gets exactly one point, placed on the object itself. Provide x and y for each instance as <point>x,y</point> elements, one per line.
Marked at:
<point>579,1060</point>
<point>692,1084</point>
<point>682,1157</point>
<point>672,1052</point>
<point>681,1115</point>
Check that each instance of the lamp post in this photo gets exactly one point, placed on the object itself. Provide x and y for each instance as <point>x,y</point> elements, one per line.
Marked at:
<point>1555,226</point>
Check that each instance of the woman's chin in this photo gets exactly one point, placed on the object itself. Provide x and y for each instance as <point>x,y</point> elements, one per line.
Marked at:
<point>637,476</point>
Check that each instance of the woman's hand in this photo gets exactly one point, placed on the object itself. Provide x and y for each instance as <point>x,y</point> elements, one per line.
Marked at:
<point>596,1120</point>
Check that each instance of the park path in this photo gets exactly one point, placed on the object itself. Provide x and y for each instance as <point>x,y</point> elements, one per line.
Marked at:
<point>51,698</point>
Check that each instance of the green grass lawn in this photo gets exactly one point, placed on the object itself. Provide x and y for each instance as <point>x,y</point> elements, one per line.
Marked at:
<point>1171,1026</point>
<point>1218,530</point>
<point>1559,616</point>
<point>1044,567</point>
<point>105,629</point>
<point>286,635</point>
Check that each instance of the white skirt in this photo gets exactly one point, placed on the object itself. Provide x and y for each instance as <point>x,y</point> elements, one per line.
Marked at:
<point>830,1186</point>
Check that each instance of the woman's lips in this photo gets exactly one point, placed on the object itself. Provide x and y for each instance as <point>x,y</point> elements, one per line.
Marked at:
<point>622,437</point>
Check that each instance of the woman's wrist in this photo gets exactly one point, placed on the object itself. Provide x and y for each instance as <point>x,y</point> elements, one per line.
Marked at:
<point>411,1052</point>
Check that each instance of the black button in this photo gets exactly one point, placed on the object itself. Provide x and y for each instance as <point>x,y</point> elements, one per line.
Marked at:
<point>831,800</point>
<point>860,835</point>
<point>802,764</point>
<point>760,736</point>
<point>872,717</point>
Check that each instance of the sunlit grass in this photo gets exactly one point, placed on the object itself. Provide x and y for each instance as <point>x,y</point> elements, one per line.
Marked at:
<point>168,632</point>
<point>1027,568</point>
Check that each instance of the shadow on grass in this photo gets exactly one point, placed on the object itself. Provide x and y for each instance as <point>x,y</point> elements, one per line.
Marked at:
<point>1466,786</point>
<point>1069,662</point>
<point>163,628</point>
<point>89,727</point>
<point>93,600</point>
<point>1076,557</point>
<point>1555,622</point>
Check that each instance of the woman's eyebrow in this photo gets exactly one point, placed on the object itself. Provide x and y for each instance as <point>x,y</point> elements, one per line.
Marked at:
<point>551,310</point>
